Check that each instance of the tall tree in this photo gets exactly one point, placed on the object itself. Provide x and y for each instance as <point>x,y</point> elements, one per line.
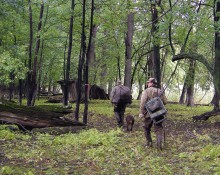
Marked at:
<point>216,75</point>
<point>128,46</point>
<point>81,62</point>
<point>190,84</point>
<point>33,90</point>
<point>86,71</point>
<point>215,72</point>
<point>67,76</point>
<point>29,83</point>
<point>156,44</point>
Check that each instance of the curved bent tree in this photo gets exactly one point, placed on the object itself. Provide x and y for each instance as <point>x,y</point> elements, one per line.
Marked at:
<point>214,71</point>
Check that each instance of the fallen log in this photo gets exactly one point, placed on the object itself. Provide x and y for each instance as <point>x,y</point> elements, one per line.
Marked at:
<point>27,118</point>
<point>205,116</point>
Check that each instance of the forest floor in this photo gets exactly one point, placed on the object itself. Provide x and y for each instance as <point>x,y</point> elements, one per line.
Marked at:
<point>102,148</point>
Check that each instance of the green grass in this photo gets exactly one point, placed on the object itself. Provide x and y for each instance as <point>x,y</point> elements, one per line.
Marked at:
<point>191,148</point>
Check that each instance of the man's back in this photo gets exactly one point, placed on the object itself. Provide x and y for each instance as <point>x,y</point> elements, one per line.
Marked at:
<point>120,93</point>
<point>148,94</point>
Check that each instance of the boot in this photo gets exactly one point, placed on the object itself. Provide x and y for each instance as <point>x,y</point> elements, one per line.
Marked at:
<point>148,138</point>
<point>159,142</point>
<point>160,139</point>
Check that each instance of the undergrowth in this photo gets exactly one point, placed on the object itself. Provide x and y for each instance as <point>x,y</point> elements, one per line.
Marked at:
<point>191,148</point>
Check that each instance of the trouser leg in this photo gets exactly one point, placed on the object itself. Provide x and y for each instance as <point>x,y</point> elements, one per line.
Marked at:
<point>121,114</point>
<point>118,119</point>
<point>159,131</point>
<point>147,131</point>
<point>119,110</point>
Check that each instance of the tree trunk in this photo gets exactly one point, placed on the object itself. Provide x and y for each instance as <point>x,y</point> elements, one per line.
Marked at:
<point>216,75</point>
<point>86,72</point>
<point>80,65</point>
<point>28,118</point>
<point>40,68</point>
<point>190,84</point>
<point>91,53</point>
<point>183,94</point>
<point>119,68</point>
<point>20,87</point>
<point>140,90</point>
<point>12,87</point>
<point>156,46</point>
<point>128,52</point>
<point>67,77</point>
<point>33,79</point>
<point>29,88</point>
<point>215,100</point>
<point>150,67</point>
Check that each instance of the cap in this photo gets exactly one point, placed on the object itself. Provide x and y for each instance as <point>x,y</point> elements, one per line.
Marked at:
<point>118,82</point>
<point>152,80</point>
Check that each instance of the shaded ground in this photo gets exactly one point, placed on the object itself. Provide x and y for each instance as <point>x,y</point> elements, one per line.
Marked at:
<point>184,138</point>
<point>173,129</point>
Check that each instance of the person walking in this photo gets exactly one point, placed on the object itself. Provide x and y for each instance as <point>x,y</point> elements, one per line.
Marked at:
<point>120,96</point>
<point>149,93</point>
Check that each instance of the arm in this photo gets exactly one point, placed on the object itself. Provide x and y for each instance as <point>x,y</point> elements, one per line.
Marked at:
<point>142,110</point>
<point>163,98</point>
<point>112,94</point>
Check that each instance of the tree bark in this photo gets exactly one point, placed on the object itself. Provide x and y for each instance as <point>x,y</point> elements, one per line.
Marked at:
<point>183,94</point>
<point>216,75</point>
<point>67,77</point>
<point>190,84</point>
<point>27,118</point>
<point>86,72</point>
<point>128,51</point>
<point>29,88</point>
<point>81,63</point>
<point>33,79</point>
<point>156,45</point>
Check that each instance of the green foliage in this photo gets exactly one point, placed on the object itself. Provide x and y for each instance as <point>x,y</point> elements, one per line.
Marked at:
<point>88,138</point>
<point>110,18</point>
<point>9,64</point>
<point>6,134</point>
<point>7,170</point>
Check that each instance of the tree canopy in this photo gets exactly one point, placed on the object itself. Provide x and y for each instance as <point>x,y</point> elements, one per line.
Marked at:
<point>182,26</point>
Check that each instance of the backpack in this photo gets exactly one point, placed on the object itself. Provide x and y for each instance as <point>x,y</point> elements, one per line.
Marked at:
<point>123,95</point>
<point>156,109</point>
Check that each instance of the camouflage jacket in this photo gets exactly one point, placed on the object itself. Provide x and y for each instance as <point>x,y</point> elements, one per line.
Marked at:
<point>147,95</point>
<point>115,93</point>
<point>113,96</point>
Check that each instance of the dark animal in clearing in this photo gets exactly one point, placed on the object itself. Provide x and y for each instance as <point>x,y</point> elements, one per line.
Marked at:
<point>130,122</point>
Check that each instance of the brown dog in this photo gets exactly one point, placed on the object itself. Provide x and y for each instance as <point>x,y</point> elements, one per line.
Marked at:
<point>130,122</point>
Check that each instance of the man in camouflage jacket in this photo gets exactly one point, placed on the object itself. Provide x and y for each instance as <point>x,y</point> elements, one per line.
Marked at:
<point>149,93</point>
